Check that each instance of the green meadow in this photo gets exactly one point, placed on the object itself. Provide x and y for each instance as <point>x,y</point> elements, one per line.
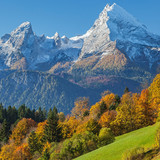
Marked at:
<point>144,137</point>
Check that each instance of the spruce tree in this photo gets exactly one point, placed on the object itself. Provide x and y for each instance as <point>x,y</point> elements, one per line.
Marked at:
<point>33,143</point>
<point>44,114</point>
<point>126,90</point>
<point>12,115</point>
<point>28,113</point>
<point>22,111</point>
<point>1,113</point>
<point>52,131</point>
<point>103,107</point>
<point>4,132</point>
<point>39,115</point>
<point>4,113</point>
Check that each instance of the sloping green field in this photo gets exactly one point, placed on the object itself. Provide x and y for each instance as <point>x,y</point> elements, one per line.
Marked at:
<point>144,137</point>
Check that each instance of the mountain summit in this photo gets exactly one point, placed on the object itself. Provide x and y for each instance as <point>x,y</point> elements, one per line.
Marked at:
<point>131,37</point>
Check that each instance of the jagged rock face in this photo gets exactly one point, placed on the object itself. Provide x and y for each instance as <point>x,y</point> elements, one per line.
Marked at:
<point>114,29</point>
<point>36,50</point>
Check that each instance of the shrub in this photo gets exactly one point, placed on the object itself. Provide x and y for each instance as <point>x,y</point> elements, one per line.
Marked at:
<point>77,145</point>
<point>158,118</point>
<point>134,154</point>
<point>157,140</point>
<point>105,137</point>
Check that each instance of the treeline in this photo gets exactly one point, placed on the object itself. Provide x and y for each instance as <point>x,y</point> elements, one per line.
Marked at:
<point>11,116</point>
<point>56,136</point>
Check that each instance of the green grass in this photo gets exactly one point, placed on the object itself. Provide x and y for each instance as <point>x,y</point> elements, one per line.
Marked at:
<point>144,137</point>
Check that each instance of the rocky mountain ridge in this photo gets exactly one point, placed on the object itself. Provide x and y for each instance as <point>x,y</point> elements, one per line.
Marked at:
<point>114,29</point>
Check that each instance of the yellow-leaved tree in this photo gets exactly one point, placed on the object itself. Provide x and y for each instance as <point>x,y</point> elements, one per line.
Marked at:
<point>21,130</point>
<point>81,106</point>
<point>126,115</point>
<point>154,93</point>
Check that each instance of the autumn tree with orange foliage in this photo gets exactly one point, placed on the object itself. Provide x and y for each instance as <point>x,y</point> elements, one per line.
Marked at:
<point>69,127</point>
<point>22,128</point>
<point>13,152</point>
<point>146,107</point>
<point>7,151</point>
<point>107,118</point>
<point>40,132</point>
<point>154,93</point>
<point>95,111</point>
<point>109,100</point>
<point>90,125</point>
<point>81,106</point>
<point>22,152</point>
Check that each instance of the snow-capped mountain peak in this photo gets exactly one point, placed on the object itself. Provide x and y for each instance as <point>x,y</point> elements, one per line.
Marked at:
<point>56,35</point>
<point>25,27</point>
<point>115,18</point>
<point>117,13</point>
<point>115,24</point>
<point>106,9</point>
<point>23,35</point>
<point>114,29</point>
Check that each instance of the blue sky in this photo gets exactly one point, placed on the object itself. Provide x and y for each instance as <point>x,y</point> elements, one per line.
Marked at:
<point>71,17</point>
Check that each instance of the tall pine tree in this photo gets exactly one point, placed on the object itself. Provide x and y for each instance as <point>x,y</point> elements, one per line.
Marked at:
<point>52,130</point>
<point>33,143</point>
<point>4,132</point>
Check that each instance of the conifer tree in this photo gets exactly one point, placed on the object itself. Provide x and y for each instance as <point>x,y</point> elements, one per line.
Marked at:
<point>33,143</point>
<point>103,107</point>
<point>4,112</point>
<point>44,114</point>
<point>126,90</point>
<point>52,131</point>
<point>4,132</point>
<point>1,113</point>
<point>12,115</point>
<point>22,111</point>
<point>40,115</point>
<point>28,113</point>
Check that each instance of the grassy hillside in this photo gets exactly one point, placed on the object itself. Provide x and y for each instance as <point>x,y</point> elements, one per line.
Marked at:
<point>139,138</point>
